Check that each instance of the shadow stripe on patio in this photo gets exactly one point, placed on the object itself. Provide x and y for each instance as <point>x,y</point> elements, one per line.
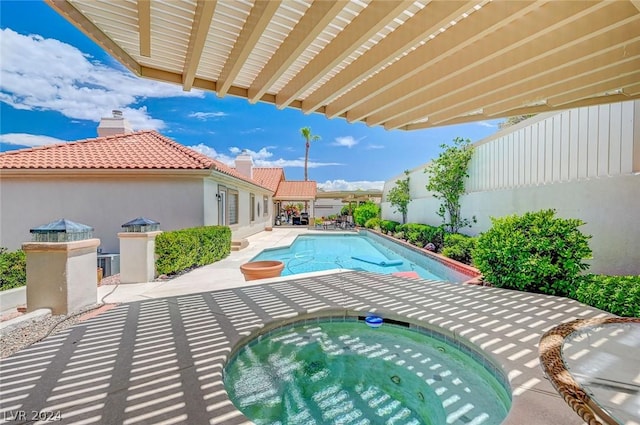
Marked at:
<point>161,360</point>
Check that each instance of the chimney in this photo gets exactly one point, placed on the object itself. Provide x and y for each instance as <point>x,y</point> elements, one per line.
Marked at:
<point>244,164</point>
<point>117,124</point>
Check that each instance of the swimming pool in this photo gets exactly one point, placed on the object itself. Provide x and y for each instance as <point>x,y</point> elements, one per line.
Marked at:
<point>339,370</point>
<point>309,253</point>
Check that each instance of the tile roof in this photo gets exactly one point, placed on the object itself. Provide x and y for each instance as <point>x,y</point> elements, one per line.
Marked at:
<point>296,190</point>
<point>139,150</point>
<point>268,177</point>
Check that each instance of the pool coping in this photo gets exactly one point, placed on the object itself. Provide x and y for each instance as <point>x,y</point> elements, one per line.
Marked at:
<point>472,272</point>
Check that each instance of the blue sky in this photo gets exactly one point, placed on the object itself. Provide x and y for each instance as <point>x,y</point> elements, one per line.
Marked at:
<point>56,84</point>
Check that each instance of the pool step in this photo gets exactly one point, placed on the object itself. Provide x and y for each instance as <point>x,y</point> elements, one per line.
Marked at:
<point>237,245</point>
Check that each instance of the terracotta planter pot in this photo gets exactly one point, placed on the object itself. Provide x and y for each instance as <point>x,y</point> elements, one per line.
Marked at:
<point>261,269</point>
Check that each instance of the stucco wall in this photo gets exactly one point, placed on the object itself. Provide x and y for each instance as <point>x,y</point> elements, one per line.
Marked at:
<point>246,227</point>
<point>609,206</point>
<point>104,204</point>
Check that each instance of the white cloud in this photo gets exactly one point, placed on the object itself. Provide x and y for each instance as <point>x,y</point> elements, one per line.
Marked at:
<point>346,141</point>
<point>45,74</point>
<point>375,146</point>
<point>30,140</point>
<point>253,130</point>
<point>486,124</point>
<point>204,116</point>
<point>333,185</point>
<point>260,158</point>
<point>212,153</point>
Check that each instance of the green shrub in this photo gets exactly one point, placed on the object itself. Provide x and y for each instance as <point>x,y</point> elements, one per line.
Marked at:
<point>422,234</point>
<point>389,225</point>
<point>347,209</point>
<point>13,269</point>
<point>434,235</point>
<point>373,223</point>
<point>535,252</point>
<point>616,294</point>
<point>413,232</point>
<point>459,247</point>
<point>215,243</point>
<point>183,249</point>
<point>364,212</point>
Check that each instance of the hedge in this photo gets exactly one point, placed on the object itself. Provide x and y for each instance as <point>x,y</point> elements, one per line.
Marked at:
<point>389,225</point>
<point>459,247</point>
<point>180,250</point>
<point>372,223</point>
<point>422,234</point>
<point>13,269</point>
<point>616,294</point>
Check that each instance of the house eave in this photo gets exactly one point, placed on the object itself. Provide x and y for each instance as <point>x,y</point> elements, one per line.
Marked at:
<point>99,172</point>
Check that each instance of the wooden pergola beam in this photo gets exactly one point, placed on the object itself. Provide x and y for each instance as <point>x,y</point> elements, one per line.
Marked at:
<point>356,33</point>
<point>467,91</point>
<point>365,96</point>
<point>261,14</point>
<point>198,37</point>
<point>552,84</point>
<point>314,21</point>
<point>427,21</point>
<point>470,65</point>
<point>144,27</point>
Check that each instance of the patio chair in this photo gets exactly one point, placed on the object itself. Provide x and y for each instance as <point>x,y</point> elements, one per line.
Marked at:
<point>304,219</point>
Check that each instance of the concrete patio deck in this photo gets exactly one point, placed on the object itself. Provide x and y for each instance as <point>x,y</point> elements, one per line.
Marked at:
<point>157,357</point>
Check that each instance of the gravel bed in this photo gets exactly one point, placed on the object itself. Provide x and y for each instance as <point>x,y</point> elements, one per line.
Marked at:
<point>17,339</point>
<point>36,330</point>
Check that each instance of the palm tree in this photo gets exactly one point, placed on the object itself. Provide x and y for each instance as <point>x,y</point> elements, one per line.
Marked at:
<point>308,137</point>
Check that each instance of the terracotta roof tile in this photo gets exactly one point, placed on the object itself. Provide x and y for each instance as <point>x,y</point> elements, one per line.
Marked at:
<point>296,190</point>
<point>268,177</point>
<point>145,150</point>
<point>139,150</point>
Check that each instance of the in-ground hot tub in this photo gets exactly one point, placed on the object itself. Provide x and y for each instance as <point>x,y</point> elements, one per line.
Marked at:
<point>339,370</point>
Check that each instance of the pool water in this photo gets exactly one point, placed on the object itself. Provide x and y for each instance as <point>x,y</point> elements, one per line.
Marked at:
<point>310,253</point>
<point>347,373</point>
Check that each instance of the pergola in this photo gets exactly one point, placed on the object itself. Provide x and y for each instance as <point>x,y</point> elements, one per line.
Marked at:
<point>397,64</point>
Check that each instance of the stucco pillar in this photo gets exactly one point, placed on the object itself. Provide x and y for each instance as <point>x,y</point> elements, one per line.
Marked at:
<point>61,275</point>
<point>137,256</point>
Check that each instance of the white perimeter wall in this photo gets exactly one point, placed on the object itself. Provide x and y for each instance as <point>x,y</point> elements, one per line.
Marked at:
<point>585,163</point>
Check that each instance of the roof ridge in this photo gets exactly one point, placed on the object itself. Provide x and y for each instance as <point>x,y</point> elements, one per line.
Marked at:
<point>201,158</point>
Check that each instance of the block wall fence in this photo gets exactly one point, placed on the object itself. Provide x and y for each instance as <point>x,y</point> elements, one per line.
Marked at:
<point>584,162</point>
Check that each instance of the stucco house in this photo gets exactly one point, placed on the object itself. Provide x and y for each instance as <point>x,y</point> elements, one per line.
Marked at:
<point>120,175</point>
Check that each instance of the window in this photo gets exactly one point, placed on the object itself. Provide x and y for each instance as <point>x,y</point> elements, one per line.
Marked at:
<point>252,206</point>
<point>233,206</point>
<point>265,205</point>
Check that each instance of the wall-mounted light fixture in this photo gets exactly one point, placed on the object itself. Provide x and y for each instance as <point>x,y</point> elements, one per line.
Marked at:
<point>218,197</point>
